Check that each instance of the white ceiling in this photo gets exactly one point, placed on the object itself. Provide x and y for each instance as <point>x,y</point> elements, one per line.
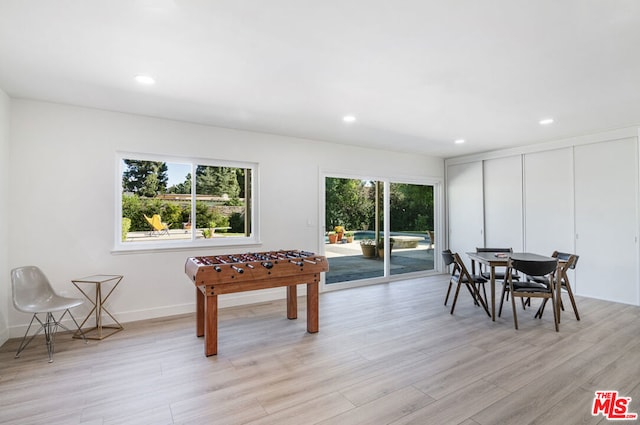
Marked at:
<point>417,74</point>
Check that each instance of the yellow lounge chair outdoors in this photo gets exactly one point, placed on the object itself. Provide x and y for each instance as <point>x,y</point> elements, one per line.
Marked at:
<point>158,226</point>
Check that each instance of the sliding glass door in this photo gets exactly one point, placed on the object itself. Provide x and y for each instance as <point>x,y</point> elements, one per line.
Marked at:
<point>357,244</point>
<point>411,227</point>
<point>352,221</point>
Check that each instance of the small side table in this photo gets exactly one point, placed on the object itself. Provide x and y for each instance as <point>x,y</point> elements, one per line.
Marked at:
<point>98,305</point>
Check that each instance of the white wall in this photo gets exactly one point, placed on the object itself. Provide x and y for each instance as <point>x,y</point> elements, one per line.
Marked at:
<point>63,184</point>
<point>5,299</point>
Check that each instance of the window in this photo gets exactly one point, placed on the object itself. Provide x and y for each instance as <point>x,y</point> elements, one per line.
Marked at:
<point>173,203</point>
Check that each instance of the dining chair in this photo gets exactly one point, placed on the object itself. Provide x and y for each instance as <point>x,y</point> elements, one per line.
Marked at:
<point>459,276</point>
<point>567,262</point>
<point>499,274</point>
<point>532,289</point>
<point>33,294</point>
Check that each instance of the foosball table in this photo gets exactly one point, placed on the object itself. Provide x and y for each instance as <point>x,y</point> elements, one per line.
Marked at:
<point>224,274</point>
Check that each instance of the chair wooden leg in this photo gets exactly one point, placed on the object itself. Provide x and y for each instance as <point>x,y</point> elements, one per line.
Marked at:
<point>573,301</point>
<point>504,291</point>
<point>541,309</point>
<point>455,297</point>
<point>513,308</point>
<point>448,291</point>
<point>484,291</point>
<point>555,313</point>
<point>484,302</point>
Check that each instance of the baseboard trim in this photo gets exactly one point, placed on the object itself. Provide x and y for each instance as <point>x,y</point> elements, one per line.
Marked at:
<point>230,300</point>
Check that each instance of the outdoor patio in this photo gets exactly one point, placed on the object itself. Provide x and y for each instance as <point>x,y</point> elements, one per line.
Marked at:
<point>347,263</point>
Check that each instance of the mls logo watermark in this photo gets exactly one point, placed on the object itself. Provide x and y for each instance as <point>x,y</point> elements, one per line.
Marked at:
<point>612,406</point>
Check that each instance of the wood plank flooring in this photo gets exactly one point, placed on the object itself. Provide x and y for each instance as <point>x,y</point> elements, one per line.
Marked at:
<point>385,354</point>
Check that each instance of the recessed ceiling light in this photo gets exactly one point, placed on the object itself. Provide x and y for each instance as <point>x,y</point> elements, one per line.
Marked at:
<point>348,118</point>
<point>145,79</point>
<point>546,121</point>
<point>459,141</point>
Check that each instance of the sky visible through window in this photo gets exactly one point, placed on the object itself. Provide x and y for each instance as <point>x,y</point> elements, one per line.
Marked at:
<point>177,173</point>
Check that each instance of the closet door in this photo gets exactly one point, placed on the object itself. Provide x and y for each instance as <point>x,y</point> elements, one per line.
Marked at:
<point>548,200</point>
<point>465,207</point>
<point>606,176</point>
<point>503,203</point>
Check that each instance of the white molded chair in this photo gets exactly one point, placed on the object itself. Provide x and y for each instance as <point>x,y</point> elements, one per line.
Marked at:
<point>32,293</point>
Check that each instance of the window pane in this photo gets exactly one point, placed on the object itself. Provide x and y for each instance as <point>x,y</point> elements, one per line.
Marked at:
<point>222,209</point>
<point>354,206</point>
<point>162,202</point>
<point>411,227</point>
<point>156,201</point>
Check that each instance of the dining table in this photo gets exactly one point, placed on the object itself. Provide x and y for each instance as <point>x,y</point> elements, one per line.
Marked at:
<point>493,260</point>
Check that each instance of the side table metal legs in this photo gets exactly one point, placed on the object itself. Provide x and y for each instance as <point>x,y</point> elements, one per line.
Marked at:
<point>98,331</point>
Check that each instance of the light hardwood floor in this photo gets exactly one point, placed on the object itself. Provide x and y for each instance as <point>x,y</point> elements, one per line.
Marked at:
<point>385,354</point>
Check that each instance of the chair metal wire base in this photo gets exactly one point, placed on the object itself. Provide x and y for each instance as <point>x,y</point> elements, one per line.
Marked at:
<point>50,327</point>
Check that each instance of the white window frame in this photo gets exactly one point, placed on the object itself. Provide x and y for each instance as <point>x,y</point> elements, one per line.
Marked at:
<point>253,239</point>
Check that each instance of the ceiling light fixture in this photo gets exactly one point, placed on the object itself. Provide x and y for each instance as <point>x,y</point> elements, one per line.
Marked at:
<point>459,141</point>
<point>145,79</point>
<point>348,118</point>
<point>546,121</point>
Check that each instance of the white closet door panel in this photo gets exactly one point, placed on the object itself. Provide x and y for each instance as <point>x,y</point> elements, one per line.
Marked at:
<point>548,200</point>
<point>503,202</point>
<point>606,224</point>
<point>464,198</point>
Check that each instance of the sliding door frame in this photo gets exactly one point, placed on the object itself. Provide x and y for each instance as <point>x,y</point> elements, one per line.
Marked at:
<point>438,214</point>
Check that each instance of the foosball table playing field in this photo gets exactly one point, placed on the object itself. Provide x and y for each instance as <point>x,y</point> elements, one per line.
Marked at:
<point>224,274</point>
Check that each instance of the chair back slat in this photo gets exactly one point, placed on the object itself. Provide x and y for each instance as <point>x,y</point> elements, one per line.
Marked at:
<point>529,290</point>
<point>534,267</point>
<point>571,259</point>
<point>447,257</point>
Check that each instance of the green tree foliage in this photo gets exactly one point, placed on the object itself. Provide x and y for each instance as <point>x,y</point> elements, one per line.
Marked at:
<point>411,207</point>
<point>172,214</point>
<point>220,220</point>
<point>217,181</point>
<point>348,203</point>
<point>126,225</point>
<point>204,215</point>
<point>351,203</point>
<point>236,221</point>
<point>241,174</point>
<point>145,178</point>
<point>132,208</point>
